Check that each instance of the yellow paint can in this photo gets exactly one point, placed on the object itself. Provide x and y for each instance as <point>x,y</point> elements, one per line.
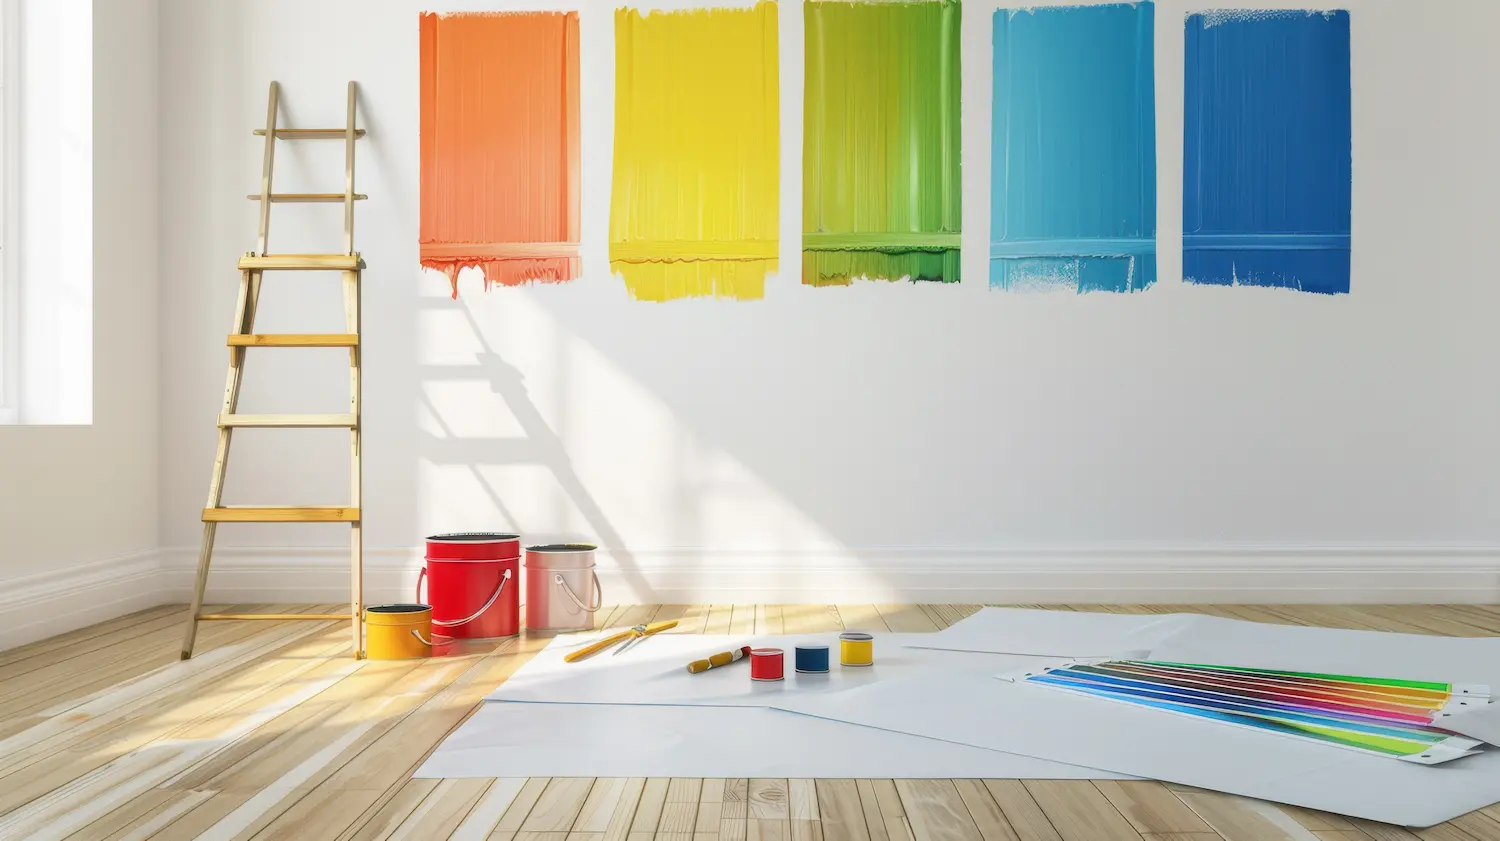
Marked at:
<point>398,631</point>
<point>856,649</point>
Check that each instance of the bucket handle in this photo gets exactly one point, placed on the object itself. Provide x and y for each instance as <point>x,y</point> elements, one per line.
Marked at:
<point>598,592</point>
<point>423,640</point>
<point>422,576</point>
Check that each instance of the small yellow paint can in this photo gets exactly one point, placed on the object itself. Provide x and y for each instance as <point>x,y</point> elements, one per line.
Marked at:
<point>398,631</point>
<point>856,649</point>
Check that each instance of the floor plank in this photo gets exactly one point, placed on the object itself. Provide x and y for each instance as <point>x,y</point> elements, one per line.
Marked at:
<point>984,811</point>
<point>906,618</point>
<point>1079,812</point>
<point>1025,816</point>
<point>842,816</point>
<point>936,812</point>
<point>862,617</point>
<point>480,820</point>
<point>1151,807</point>
<point>1236,818</point>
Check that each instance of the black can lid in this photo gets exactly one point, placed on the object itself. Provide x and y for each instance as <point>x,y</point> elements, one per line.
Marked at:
<point>398,608</point>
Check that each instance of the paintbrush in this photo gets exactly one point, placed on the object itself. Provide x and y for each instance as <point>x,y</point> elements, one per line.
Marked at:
<point>723,658</point>
<point>632,634</point>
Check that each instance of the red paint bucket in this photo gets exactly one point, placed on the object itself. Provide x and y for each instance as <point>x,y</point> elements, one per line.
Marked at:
<point>474,586</point>
<point>767,664</point>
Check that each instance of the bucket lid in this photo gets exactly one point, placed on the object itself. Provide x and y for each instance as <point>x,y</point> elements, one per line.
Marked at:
<point>558,548</point>
<point>475,537</point>
<point>766,652</point>
<point>855,636</point>
<point>398,608</point>
<point>818,646</point>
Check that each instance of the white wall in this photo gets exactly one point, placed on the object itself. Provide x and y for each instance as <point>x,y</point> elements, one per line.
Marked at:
<point>941,442</point>
<point>79,504</point>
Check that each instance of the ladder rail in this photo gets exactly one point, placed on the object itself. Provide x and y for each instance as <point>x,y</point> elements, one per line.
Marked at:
<point>244,322</point>
<point>349,136</point>
<point>268,163</point>
<point>352,318</point>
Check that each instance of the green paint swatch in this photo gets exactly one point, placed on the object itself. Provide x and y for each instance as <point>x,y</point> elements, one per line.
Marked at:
<point>880,166</point>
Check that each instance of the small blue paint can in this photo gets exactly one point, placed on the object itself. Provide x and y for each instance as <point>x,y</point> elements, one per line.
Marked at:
<point>811,659</point>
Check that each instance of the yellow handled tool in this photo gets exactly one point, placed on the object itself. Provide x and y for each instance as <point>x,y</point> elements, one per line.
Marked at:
<point>638,632</point>
<point>723,658</point>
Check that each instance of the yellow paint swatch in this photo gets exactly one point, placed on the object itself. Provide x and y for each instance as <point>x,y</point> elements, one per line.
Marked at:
<point>697,167</point>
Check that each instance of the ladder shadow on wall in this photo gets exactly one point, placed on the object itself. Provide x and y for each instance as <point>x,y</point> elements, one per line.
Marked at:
<point>538,444</point>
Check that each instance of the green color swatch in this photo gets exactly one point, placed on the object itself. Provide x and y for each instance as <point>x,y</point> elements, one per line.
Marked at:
<point>880,149</point>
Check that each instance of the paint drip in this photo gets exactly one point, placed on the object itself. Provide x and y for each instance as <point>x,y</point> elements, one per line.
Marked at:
<point>882,192</point>
<point>500,146</point>
<point>1073,168</point>
<point>694,209</point>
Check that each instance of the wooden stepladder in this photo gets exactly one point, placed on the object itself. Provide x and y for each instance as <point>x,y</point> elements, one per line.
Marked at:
<point>252,268</point>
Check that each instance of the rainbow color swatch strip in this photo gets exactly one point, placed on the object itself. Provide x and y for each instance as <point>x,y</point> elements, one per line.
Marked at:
<point>1385,716</point>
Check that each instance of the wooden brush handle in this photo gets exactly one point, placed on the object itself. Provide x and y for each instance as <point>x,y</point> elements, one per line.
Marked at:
<point>723,658</point>
<point>598,646</point>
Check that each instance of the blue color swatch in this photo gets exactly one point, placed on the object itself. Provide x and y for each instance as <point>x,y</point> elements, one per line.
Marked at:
<point>1266,150</point>
<point>1073,192</point>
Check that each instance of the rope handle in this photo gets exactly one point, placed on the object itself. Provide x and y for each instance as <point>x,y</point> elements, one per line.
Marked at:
<point>598,592</point>
<point>418,634</point>
<point>422,576</point>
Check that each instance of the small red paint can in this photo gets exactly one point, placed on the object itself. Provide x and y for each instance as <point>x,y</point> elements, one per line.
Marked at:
<point>767,664</point>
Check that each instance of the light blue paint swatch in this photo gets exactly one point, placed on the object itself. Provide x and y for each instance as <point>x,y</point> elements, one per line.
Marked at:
<point>1266,150</point>
<point>1073,177</point>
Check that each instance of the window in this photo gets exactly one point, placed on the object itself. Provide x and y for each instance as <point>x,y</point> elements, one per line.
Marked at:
<point>10,275</point>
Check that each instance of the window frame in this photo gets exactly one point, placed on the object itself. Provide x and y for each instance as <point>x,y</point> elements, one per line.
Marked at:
<point>10,217</point>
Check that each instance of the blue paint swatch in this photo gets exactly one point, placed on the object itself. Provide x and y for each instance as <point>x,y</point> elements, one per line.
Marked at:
<point>1073,170</point>
<point>1266,150</point>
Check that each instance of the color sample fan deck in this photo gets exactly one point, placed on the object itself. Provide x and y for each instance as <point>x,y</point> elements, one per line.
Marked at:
<point>694,209</point>
<point>1073,167</point>
<point>1389,717</point>
<point>1267,156</point>
<point>881,192</point>
<point>500,145</point>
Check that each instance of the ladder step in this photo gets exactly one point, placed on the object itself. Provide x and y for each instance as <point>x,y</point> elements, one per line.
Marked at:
<point>308,197</point>
<point>310,133</point>
<point>281,514</point>
<point>294,340</point>
<point>305,262</point>
<point>291,421</point>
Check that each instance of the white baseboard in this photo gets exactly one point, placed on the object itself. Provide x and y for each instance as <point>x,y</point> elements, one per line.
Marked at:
<point>887,576</point>
<point>38,606</point>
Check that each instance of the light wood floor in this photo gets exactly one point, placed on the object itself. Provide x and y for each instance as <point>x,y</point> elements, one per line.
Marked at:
<point>273,732</point>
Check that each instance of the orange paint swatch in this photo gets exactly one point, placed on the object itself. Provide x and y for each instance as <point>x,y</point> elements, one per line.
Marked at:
<point>500,145</point>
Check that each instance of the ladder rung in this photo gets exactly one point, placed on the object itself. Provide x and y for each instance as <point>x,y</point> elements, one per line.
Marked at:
<point>281,514</point>
<point>310,133</point>
<point>294,340</point>
<point>308,197</point>
<point>306,262</point>
<point>277,617</point>
<point>345,421</point>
